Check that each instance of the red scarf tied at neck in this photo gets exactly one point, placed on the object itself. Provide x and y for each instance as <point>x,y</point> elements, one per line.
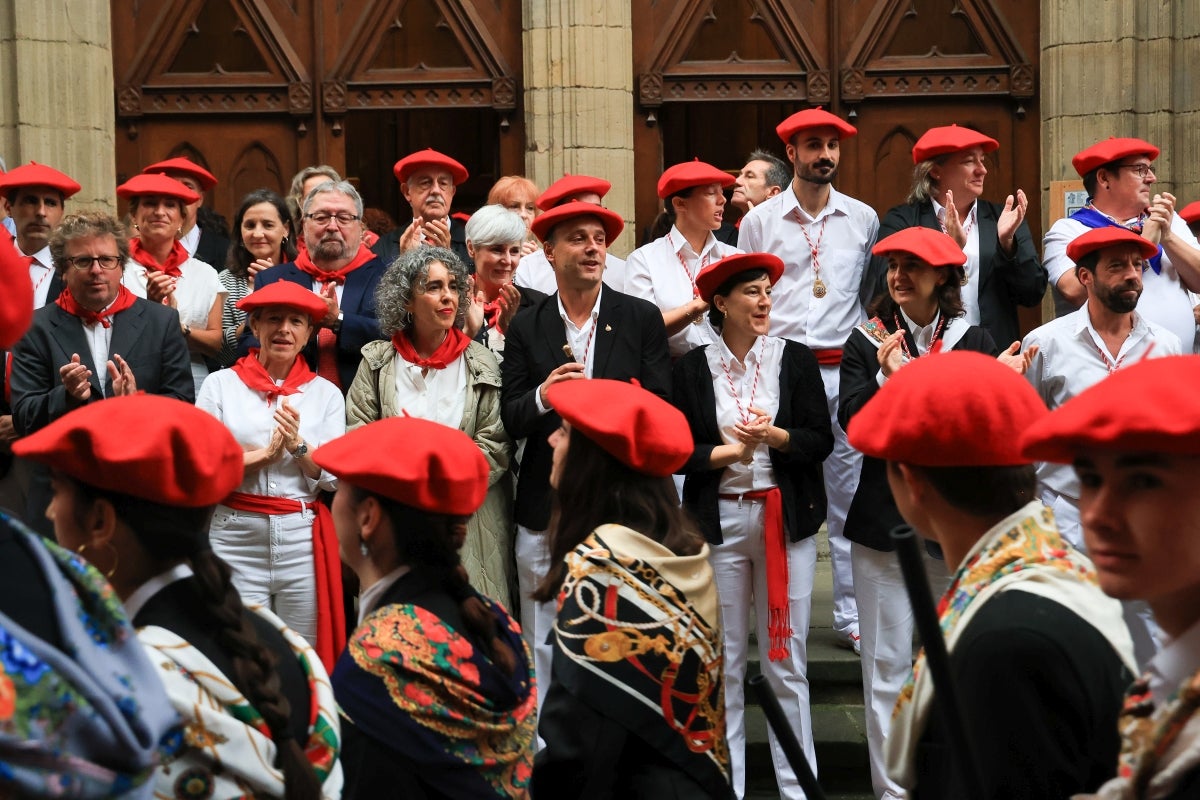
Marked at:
<point>254,374</point>
<point>451,348</point>
<point>305,264</point>
<point>125,298</point>
<point>172,266</point>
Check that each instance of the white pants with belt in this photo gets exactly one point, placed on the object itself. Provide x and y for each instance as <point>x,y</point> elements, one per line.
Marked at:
<point>885,622</point>
<point>537,618</point>
<point>272,561</point>
<point>841,471</point>
<point>740,567</point>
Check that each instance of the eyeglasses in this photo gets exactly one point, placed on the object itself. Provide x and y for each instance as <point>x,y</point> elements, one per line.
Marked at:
<point>1142,170</point>
<point>83,263</point>
<point>342,217</point>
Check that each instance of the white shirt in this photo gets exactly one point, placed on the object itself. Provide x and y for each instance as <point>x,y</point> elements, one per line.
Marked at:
<point>250,419</point>
<point>375,592</point>
<point>535,272</point>
<point>1071,357</point>
<point>99,339</point>
<point>191,241</point>
<point>777,225</point>
<point>664,272</point>
<point>142,595</point>
<point>763,361</point>
<point>1175,663</point>
<point>580,338</point>
<point>41,272</point>
<point>970,290</point>
<point>1165,300</point>
<point>439,395</point>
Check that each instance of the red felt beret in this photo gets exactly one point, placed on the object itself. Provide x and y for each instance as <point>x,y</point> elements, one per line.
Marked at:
<point>691,173</point>
<point>950,139</point>
<point>156,185</point>
<point>184,166</point>
<point>566,187</point>
<point>16,299</point>
<point>414,461</point>
<point>956,409</point>
<point>429,158</point>
<point>1117,414</point>
<point>813,118</point>
<point>1110,150</point>
<point>285,293</point>
<point>153,447</point>
<point>1108,236</point>
<point>933,247</point>
<point>1191,212</point>
<point>35,174</point>
<point>716,273</point>
<point>611,220</point>
<point>637,427</point>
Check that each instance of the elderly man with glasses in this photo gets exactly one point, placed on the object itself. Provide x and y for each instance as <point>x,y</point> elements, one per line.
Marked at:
<point>339,267</point>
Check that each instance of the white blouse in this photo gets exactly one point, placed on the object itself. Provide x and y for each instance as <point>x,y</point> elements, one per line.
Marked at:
<point>734,379</point>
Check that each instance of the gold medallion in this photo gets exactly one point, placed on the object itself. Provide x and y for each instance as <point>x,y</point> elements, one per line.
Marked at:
<point>818,288</point>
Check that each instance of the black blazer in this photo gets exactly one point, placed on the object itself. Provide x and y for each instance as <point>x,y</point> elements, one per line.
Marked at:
<point>359,325</point>
<point>147,335</point>
<point>1005,282</point>
<point>803,413</point>
<point>873,511</point>
<point>212,249</point>
<point>388,246</point>
<point>630,342</point>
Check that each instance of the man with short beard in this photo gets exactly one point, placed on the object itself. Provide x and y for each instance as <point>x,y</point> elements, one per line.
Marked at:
<point>341,269</point>
<point>1084,347</point>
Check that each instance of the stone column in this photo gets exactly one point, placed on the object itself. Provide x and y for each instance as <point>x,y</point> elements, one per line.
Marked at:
<point>56,94</point>
<point>1120,68</point>
<point>579,97</point>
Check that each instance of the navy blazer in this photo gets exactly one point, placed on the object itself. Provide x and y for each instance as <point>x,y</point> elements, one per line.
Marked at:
<point>359,325</point>
<point>630,342</point>
<point>1005,282</point>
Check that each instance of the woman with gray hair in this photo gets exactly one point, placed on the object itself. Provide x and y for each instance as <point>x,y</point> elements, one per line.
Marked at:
<point>431,369</point>
<point>494,236</point>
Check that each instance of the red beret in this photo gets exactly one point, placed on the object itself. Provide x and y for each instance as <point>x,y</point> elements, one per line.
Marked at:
<point>544,223</point>
<point>950,139</point>
<point>691,173</point>
<point>16,301</point>
<point>933,247</point>
<point>184,166</point>
<point>35,174</point>
<point>1110,150</point>
<point>414,461</point>
<point>1108,236</point>
<point>144,185</point>
<point>956,409</point>
<point>153,447</point>
<point>813,118</point>
<point>285,293</point>
<point>1112,414</point>
<point>1191,212</point>
<point>429,158</point>
<point>638,428</point>
<point>566,187</point>
<point>716,273</point>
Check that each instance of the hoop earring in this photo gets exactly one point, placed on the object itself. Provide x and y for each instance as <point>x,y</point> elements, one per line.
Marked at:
<point>115,553</point>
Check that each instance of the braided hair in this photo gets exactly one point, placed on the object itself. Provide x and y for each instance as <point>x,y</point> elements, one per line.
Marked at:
<point>171,533</point>
<point>428,543</point>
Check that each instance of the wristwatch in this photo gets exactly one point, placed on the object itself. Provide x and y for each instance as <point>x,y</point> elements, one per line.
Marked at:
<point>337,325</point>
<point>301,449</point>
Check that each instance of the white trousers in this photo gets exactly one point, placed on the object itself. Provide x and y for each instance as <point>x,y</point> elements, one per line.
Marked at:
<point>841,471</point>
<point>272,561</point>
<point>537,618</point>
<point>740,568</point>
<point>885,622</point>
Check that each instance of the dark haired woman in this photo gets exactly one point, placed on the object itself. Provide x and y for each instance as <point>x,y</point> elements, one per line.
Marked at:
<point>664,271</point>
<point>262,238</point>
<point>258,712</point>
<point>921,312</point>
<point>634,705</point>
<point>435,685</point>
<point>758,416</point>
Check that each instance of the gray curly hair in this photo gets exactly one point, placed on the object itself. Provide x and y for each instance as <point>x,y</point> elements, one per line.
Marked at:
<point>406,277</point>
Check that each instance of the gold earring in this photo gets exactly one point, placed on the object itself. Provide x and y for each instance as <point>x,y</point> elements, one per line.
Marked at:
<point>116,560</point>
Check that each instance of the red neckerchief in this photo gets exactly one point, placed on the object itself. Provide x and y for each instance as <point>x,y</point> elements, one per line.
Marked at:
<point>491,312</point>
<point>305,264</point>
<point>257,379</point>
<point>451,348</point>
<point>171,266</point>
<point>125,298</point>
